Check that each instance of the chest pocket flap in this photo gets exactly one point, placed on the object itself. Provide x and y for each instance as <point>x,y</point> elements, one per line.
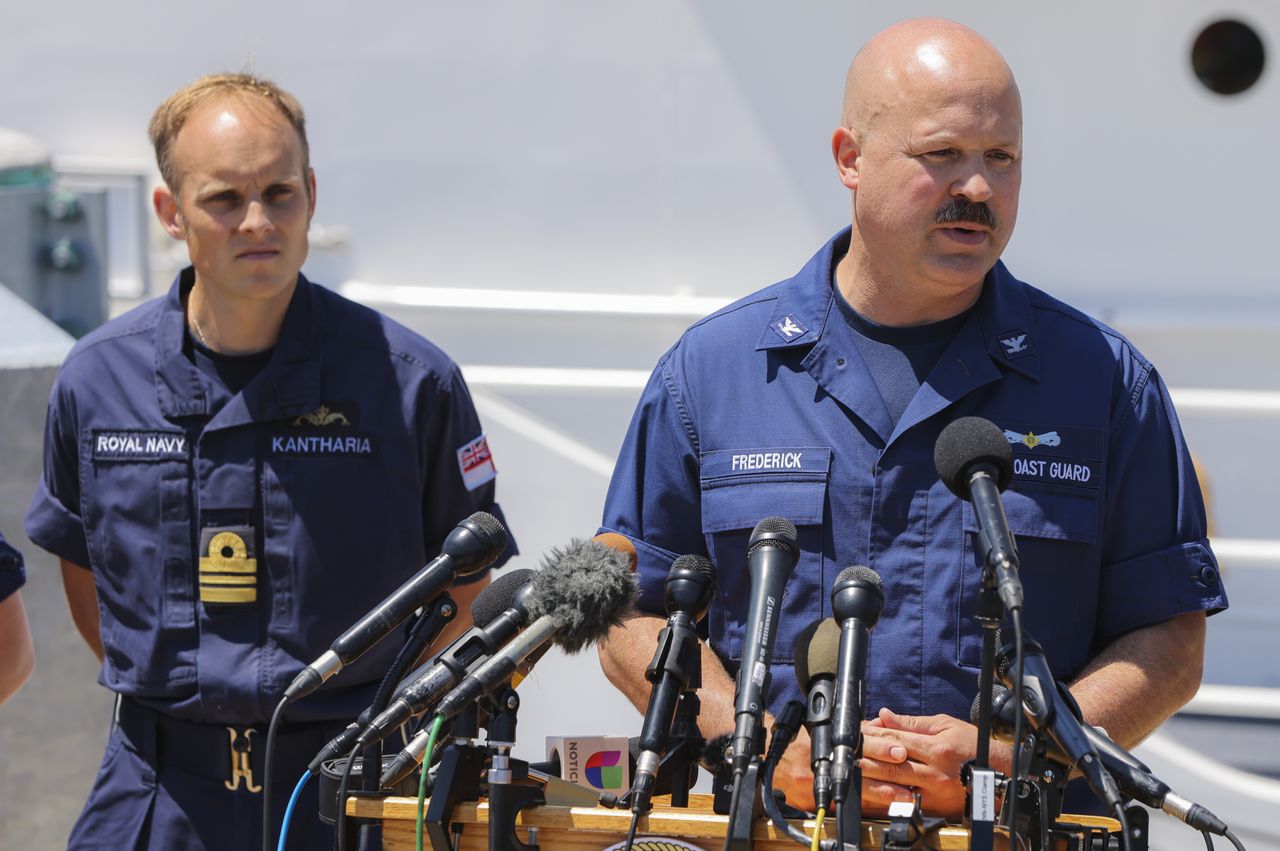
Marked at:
<point>741,487</point>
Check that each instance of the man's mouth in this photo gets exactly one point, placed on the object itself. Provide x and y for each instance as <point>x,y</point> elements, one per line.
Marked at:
<point>969,235</point>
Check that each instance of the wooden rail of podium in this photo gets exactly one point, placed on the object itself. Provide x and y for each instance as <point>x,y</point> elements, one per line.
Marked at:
<point>594,828</point>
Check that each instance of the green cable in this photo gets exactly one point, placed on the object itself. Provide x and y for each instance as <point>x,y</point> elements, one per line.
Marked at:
<point>422,780</point>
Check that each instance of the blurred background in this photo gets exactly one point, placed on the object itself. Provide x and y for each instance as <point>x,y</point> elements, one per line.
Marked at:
<point>553,191</point>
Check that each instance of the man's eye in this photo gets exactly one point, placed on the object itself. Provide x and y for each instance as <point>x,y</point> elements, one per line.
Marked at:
<point>279,193</point>
<point>225,198</point>
<point>940,154</point>
<point>1002,156</point>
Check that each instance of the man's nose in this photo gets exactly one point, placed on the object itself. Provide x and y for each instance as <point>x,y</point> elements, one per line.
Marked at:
<point>973,185</point>
<point>256,219</point>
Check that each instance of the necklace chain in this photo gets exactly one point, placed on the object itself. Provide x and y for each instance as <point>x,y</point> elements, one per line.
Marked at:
<point>195,324</point>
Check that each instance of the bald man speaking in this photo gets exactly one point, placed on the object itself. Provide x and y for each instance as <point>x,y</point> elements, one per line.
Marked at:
<point>820,399</point>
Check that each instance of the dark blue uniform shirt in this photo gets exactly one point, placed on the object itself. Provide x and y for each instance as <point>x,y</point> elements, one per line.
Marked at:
<point>766,408</point>
<point>12,576</point>
<point>233,537</point>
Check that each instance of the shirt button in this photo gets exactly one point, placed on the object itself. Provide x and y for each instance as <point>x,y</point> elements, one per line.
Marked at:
<point>839,361</point>
<point>1208,576</point>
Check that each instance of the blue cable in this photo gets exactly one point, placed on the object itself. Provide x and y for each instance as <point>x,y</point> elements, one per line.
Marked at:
<point>288,811</point>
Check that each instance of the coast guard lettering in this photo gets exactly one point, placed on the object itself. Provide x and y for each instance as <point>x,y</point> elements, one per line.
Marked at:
<point>1057,454</point>
<point>139,445</point>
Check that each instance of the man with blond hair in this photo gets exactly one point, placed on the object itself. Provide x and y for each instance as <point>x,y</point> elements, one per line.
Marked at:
<point>848,372</point>
<point>234,473</point>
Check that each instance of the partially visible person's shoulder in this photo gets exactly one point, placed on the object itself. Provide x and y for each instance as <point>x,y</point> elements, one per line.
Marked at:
<point>1067,326</point>
<point>735,325</point>
<point>362,331</point>
<point>130,335</point>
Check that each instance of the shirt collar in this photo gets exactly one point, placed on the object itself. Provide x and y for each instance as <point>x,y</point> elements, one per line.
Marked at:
<point>805,304</point>
<point>289,385</point>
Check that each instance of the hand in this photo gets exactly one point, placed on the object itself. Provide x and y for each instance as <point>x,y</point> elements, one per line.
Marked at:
<point>794,775</point>
<point>936,747</point>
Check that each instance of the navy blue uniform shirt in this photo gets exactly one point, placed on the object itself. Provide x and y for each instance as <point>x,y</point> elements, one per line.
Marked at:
<point>233,537</point>
<point>766,408</point>
<point>12,576</point>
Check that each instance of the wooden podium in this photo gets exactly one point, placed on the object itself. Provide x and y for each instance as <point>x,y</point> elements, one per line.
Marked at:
<point>594,828</point>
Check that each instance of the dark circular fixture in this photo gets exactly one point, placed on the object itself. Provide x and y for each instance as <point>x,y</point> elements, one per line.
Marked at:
<point>1228,57</point>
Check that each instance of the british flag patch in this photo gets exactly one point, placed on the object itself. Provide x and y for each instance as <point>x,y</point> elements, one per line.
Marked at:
<point>476,463</point>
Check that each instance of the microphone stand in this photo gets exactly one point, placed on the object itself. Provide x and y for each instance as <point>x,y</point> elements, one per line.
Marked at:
<point>981,778</point>
<point>746,803</point>
<point>849,811</point>
<point>681,761</point>
<point>507,798</point>
<point>457,779</point>
<point>425,630</point>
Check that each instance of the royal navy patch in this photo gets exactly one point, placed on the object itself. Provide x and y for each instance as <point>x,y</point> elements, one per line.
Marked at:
<point>139,445</point>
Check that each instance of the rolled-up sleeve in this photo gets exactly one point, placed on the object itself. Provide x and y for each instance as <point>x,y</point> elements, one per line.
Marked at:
<point>654,496</point>
<point>1157,562</point>
<point>53,519</point>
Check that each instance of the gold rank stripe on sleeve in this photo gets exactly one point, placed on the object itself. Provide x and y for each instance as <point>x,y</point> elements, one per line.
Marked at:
<point>227,572</point>
<point>228,595</point>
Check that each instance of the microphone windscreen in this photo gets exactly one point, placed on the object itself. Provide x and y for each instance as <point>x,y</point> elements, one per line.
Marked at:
<point>860,574</point>
<point>621,543</point>
<point>586,588</point>
<point>475,543</point>
<point>817,651</point>
<point>776,530</point>
<point>498,596</point>
<point>998,693</point>
<point>969,441</point>
<point>715,756</point>
<point>1007,650</point>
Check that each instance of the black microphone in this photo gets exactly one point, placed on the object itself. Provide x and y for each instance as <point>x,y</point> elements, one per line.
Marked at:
<point>676,665</point>
<point>1057,715</point>
<point>856,601</point>
<point>975,462</point>
<point>498,613</point>
<point>772,553</point>
<point>581,592</point>
<point>1130,773</point>
<point>816,655</point>
<point>473,545</point>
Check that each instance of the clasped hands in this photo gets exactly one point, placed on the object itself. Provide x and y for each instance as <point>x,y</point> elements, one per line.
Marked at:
<point>901,754</point>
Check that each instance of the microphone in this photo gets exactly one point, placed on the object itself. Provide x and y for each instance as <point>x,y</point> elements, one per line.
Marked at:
<point>856,601</point>
<point>676,665</point>
<point>1131,774</point>
<point>772,553</point>
<point>498,612</point>
<point>817,651</point>
<point>473,545</point>
<point>1057,714</point>
<point>975,462</point>
<point>581,592</point>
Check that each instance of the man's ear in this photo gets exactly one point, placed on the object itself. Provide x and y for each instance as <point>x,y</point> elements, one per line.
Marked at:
<point>166,207</point>
<point>311,193</point>
<point>847,152</point>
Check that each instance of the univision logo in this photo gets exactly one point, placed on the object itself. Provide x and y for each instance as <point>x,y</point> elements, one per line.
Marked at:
<point>604,769</point>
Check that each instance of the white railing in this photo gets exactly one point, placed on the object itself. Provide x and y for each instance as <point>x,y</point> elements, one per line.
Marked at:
<point>1235,702</point>
<point>1253,403</point>
<point>534,301</point>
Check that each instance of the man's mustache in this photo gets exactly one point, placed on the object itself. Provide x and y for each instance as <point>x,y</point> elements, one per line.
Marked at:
<point>960,210</point>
